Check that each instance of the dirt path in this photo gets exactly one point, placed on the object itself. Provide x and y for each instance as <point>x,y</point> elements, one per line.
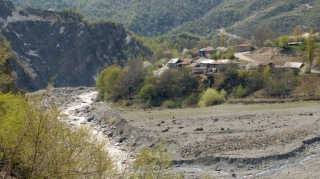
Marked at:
<point>241,56</point>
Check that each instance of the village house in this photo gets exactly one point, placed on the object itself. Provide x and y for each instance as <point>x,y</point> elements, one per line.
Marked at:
<point>295,66</point>
<point>244,48</point>
<point>186,62</point>
<point>221,65</point>
<point>207,51</point>
<point>206,63</point>
<point>173,63</point>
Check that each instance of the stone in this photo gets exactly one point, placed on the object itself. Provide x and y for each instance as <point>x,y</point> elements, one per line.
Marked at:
<point>199,129</point>
<point>110,134</point>
<point>165,130</point>
<point>90,118</point>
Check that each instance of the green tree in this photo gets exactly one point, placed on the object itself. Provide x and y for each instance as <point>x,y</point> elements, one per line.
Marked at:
<point>266,77</point>
<point>34,136</point>
<point>283,42</point>
<point>107,82</point>
<point>310,51</point>
<point>147,92</point>
<point>223,41</point>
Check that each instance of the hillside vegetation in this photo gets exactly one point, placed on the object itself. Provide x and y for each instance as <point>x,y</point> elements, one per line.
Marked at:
<point>202,17</point>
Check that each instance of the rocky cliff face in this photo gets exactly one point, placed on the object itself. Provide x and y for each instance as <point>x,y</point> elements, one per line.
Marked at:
<point>49,45</point>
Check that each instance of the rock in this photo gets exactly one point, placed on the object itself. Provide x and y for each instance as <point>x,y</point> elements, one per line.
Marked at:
<point>90,118</point>
<point>199,129</point>
<point>159,125</point>
<point>311,114</point>
<point>234,175</point>
<point>165,130</point>
<point>110,134</point>
<point>222,128</point>
<point>162,122</point>
<point>180,127</point>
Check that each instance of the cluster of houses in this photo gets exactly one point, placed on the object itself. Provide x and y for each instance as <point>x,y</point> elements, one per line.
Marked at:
<point>201,64</point>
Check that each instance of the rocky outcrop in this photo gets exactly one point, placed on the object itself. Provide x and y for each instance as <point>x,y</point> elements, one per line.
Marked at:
<point>48,44</point>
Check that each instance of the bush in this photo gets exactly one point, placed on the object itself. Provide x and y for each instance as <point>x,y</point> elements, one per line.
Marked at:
<point>192,100</point>
<point>214,56</point>
<point>147,92</point>
<point>169,104</point>
<point>241,92</point>
<point>211,97</point>
<point>268,43</point>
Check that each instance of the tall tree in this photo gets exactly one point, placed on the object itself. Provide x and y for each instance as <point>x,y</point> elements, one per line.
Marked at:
<point>310,51</point>
<point>223,38</point>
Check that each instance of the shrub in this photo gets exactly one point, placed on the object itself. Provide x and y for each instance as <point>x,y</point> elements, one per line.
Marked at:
<point>211,97</point>
<point>241,92</point>
<point>192,100</point>
<point>268,43</point>
<point>214,56</point>
<point>169,104</point>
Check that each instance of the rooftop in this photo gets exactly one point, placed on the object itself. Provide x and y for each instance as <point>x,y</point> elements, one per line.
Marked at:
<point>293,65</point>
<point>244,45</point>
<point>174,60</point>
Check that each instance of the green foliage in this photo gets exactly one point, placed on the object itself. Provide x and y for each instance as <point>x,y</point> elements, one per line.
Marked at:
<point>192,100</point>
<point>214,56</point>
<point>149,18</point>
<point>310,50</point>
<point>72,14</point>
<point>153,163</point>
<point>175,83</point>
<point>283,42</point>
<point>169,104</point>
<point>211,97</point>
<point>107,81</point>
<point>147,92</point>
<point>6,80</point>
<point>35,142</point>
<point>279,83</point>
<point>240,91</point>
<point>268,43</point>
<point>206,176</point>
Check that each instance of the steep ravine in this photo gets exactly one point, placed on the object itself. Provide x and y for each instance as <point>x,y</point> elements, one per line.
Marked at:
<point>49,45</point>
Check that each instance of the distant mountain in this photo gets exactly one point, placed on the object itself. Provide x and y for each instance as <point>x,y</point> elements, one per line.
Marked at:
<point>202,17</point>
<point>63,46</point>
<point>144,17</point>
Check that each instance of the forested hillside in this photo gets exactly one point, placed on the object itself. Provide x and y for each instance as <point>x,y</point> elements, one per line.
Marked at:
<point>202,17</point>
<point>144,17</point>
<point>243,17</point>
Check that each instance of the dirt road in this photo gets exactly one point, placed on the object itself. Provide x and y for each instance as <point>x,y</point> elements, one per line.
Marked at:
<point>241,56</point>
